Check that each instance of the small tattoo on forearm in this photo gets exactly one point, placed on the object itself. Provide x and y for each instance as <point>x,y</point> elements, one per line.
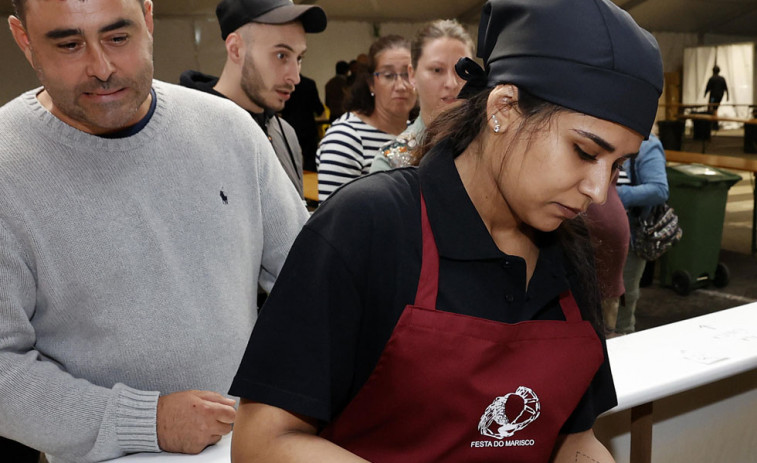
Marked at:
<point>583,458</point>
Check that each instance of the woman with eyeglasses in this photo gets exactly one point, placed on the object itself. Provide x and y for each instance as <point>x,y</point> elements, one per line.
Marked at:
<point>378,110</point>
<point>435,49</point>
<point>450,312</point>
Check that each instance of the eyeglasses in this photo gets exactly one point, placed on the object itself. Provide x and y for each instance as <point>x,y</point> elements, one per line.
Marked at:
<point>391,77</point>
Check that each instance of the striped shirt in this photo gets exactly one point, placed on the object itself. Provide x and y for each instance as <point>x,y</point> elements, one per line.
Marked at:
<point>346,152</point>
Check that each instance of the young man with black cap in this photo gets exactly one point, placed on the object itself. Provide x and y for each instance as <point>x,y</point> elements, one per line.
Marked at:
<point>265,44</point>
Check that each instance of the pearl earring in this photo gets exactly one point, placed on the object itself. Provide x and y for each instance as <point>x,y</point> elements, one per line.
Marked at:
<point>372,94</point>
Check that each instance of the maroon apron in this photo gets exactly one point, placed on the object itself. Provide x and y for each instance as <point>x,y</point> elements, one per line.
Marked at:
<point>456,388</point>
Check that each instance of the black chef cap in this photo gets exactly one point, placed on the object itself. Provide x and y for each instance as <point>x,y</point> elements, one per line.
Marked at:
<point>586,55</point>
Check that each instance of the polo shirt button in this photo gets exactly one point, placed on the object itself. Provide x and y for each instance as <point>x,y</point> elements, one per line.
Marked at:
<point>509,298</point>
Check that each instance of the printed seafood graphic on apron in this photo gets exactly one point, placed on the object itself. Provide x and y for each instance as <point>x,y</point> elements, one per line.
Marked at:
<point>527,411</point>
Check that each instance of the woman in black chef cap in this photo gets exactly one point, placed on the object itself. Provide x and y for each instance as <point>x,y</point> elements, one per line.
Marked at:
<point>449,313</point>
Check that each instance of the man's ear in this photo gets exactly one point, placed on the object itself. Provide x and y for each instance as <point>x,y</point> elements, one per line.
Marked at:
<point>21,37</point>
<point>500,107</point>
<point>148,16</point>
<point>235,47</point>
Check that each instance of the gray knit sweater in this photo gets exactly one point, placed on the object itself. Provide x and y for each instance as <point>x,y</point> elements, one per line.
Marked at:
<point>129,267</point>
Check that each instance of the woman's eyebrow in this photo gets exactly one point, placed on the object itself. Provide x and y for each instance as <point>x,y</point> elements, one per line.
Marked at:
<point>604,144</point>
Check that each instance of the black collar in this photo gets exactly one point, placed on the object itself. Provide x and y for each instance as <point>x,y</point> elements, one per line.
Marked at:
<point>461,234</point>
<point>458,229</point>
<point>135,129</point>
<point>261,118</point>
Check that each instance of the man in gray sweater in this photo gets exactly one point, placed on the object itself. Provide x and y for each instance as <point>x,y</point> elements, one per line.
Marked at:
<point>137,219</point>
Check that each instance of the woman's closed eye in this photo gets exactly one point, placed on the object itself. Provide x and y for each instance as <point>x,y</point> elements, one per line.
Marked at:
<point>583,154</point>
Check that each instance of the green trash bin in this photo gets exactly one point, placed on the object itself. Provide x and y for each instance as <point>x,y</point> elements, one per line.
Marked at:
<point>698,195</point>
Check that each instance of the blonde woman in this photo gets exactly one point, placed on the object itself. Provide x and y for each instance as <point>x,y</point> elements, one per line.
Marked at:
<point>434,52</point>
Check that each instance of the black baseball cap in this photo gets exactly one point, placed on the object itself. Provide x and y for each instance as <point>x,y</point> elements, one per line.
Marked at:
<point>233,14</point>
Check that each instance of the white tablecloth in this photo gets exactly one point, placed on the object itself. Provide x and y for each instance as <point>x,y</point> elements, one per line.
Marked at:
<point>219,453</point>
<point>677,357</point>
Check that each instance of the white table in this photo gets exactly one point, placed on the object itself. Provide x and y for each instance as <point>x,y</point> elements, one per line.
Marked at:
<point>219,453</point>
<point>647,366</point>
<point>670,359</point>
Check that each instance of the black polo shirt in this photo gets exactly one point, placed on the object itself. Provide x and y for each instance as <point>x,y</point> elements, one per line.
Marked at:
<point>354,268</point>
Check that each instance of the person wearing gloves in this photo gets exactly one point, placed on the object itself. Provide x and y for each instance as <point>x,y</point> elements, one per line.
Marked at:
<point>450,312</point>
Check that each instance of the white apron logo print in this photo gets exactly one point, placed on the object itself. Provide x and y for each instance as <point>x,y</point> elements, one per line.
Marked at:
<point>512,412</point>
